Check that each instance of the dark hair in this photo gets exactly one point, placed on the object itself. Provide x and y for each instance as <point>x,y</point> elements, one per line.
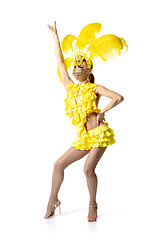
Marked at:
<point>91,78</point>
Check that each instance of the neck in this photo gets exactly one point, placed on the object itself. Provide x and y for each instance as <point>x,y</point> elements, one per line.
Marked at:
<point>83,82</point>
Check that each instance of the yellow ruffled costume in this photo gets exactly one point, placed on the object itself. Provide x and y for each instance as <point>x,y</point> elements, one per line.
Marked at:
<point>93,48</point>
<point>100,136</point>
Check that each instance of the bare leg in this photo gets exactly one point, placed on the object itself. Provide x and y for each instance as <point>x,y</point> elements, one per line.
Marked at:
<point>65,160</point>
<point>93,158</point>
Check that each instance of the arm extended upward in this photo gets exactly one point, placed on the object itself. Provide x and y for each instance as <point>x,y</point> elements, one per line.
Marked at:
<point>60,58</point>
<point>58,50</point>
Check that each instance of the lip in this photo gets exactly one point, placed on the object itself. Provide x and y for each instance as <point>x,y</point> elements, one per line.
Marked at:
<point>78,73</point>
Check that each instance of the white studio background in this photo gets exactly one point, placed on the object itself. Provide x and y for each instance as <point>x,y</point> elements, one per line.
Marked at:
<point>35,131</point>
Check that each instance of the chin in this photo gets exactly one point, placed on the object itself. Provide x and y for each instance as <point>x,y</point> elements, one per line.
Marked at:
<point>82,80</point>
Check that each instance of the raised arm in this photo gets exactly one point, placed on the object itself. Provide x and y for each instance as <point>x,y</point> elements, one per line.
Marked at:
<point>60,59</point>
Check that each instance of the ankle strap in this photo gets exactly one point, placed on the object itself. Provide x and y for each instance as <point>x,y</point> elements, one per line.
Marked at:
<point>57,201</point>
<point>96,205</point>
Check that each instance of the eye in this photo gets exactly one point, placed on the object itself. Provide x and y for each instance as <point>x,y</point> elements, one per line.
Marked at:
<point>75,66</point>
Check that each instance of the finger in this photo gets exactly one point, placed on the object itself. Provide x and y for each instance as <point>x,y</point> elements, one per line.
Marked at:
<point>49,26</point>
<point>105,121</point>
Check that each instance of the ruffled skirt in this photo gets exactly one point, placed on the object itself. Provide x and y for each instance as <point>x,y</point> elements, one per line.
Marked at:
<point>100,136</point>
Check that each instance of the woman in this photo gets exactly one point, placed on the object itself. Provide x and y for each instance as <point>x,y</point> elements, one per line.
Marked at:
<point>94,121</point>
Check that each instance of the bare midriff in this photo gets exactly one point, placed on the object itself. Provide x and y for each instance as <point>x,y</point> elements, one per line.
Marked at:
<point>92,121</point>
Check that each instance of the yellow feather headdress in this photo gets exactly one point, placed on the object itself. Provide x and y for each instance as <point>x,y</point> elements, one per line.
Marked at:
<point>91,47</point>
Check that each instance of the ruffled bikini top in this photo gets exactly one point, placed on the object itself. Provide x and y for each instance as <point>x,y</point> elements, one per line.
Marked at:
<point>86,104</point>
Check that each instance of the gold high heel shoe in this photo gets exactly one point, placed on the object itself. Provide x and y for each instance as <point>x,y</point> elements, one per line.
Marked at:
<point>93,219</point>
<point>56,204</point>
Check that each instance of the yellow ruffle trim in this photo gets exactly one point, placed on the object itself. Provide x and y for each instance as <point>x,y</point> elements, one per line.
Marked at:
<point>101,136</point>
<point>86,104</point>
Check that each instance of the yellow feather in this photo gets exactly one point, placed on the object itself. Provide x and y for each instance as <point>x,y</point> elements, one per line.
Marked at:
<point>67,43</point>
<point>125,46</point>
<point>58,72</point>
<point>88,34</point>
<point>107,47</point>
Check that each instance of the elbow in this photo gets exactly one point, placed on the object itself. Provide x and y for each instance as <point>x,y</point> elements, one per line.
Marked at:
<point>120,99</point>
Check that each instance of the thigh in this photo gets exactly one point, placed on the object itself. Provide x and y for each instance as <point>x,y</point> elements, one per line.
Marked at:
<point>70,156</point>
<point>93,158</point>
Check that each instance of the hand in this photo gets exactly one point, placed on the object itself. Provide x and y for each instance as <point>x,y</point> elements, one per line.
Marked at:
<point>100,118</point>
<point>53,29</point>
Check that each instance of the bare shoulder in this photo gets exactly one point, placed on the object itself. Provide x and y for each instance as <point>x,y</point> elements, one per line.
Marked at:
<point>67,82</point>
<point>103,91</point>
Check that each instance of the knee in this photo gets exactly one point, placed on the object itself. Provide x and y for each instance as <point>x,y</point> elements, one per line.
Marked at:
<point>88,172</point>
<point>58,166</point>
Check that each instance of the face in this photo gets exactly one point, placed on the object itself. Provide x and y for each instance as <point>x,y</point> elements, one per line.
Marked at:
<point>81,72</point>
